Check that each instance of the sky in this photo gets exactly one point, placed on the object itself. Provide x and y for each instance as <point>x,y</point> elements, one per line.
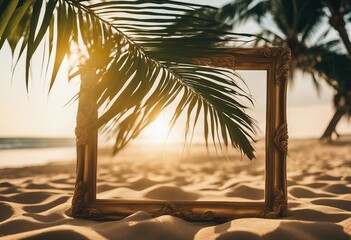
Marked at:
<point>40,114</point>
<point>34,113</point>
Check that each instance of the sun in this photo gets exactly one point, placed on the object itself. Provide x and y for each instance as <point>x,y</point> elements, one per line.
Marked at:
<point>157,131</point>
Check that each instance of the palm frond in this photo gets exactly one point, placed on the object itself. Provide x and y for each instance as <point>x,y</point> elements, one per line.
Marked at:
<point>180,42</point>
<point>139,68</point>
<point>242,10</point>
<point>310,18</point>
<point>336,69</point>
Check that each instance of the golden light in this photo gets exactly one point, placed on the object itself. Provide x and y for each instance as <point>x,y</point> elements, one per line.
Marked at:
<point>157,131</point>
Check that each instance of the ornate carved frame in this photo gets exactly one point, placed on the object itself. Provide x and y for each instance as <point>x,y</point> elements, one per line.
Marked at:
<point>276,62</point>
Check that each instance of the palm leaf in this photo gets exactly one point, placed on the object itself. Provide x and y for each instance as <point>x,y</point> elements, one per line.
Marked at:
<point>140,69</point>
<point>242,10</point>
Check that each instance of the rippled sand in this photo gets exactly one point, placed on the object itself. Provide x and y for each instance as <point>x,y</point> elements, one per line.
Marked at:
<point>33,200</point>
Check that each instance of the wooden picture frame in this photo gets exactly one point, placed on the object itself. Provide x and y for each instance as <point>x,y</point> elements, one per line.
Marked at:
<point>275,61</point>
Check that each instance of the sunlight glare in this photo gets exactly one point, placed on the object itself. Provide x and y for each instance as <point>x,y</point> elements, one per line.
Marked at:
<point>158,132</point>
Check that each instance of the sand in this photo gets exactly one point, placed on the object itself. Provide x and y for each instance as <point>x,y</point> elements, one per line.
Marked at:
<point>33,200</point>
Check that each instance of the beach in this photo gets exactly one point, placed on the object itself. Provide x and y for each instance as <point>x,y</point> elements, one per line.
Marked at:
<point>34,199</point>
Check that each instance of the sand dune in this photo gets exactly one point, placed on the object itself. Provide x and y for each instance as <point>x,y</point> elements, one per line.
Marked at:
<point>33,200</point>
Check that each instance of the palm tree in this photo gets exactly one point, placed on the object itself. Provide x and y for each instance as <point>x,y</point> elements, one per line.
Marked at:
<point>136,58</point>
<point>295,23</point>
<point>339,10</point>
<point>336,70</point>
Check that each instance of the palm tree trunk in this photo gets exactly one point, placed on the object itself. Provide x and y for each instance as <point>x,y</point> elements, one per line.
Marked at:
<point>337,21</point>
<point>327,135</point>
<point>345,38</point>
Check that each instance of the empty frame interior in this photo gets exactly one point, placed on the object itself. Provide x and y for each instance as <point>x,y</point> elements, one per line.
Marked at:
<point>205,205</point>
<point>161,165</point>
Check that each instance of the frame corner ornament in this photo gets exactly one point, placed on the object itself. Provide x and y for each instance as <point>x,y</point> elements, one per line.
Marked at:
<point>78,198</point>
<point>170,208</point>
<point>282,55</point>
<point>281,138</point>
<point>78,208</point>
<point>278,209</point>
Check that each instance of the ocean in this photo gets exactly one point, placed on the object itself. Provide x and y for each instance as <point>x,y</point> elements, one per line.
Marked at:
<point>21,152</point>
